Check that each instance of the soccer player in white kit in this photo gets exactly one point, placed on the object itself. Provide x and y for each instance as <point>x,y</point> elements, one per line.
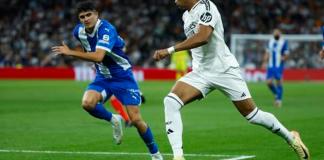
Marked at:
<point>214,67</point>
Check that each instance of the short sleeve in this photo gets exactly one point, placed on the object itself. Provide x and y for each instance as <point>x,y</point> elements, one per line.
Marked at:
<point>285,49</point>
<point>323,36</point>
<point>75,32</point>
<point>267,47</point>
<point>107,37</point>
<point>322,31</point>
<point>207,17</point>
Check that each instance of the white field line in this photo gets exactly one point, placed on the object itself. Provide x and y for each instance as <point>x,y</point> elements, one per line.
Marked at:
<point>229,157</point>
<point>240,158</point>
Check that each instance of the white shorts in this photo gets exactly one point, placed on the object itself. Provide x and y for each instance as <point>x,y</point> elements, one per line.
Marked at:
<point>231,83</point>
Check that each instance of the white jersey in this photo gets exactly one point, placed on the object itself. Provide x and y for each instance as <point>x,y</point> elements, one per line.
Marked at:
<point>213,57</point>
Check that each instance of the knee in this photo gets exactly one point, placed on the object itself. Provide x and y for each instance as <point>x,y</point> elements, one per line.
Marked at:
<point>135,116</point>
<point>172,102</point>
<point>137,122</point>
<point>88,104</point>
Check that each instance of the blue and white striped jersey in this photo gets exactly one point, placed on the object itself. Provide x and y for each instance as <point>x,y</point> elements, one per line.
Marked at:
<point>277,49</point>
<point>104,36</point>
<point>323,36</point>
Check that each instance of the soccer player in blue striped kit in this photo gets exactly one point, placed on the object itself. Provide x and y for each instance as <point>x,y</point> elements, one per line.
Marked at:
<point>276,53</point>
<point>103,46</point>
<point>322,50</point>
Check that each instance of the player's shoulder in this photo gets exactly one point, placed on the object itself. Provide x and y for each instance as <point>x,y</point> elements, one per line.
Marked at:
<point>271,40</point>
<point>106,26</point>
<point>76,29</point>
<point>285,43</point>
<point>185,14</point>
<point>206,8</point>
<point>283,40</point>
<point>205,5</point>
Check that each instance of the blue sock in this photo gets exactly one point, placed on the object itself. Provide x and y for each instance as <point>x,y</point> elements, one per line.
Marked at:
<point>100,112</point>
<point>280,91</point>
<point>149,141</point>
<point>273,89</point>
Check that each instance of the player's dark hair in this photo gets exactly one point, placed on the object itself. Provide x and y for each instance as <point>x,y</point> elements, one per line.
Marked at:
<point>85,6</point>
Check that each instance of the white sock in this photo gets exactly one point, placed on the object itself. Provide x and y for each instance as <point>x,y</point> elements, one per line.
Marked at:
<point>270,122</point>
<point>173,122</point>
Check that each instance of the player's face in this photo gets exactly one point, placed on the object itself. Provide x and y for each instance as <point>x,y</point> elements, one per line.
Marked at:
<point>276,34</point>
<point>89,18</point>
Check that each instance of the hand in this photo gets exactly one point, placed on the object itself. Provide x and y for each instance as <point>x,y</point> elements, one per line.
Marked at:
<point>322,54</point>
<point>160,54</point>
<point>64,49</point>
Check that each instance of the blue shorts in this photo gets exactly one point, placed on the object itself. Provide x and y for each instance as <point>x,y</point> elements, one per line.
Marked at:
<point>125,89</point>
<point>274,73</point>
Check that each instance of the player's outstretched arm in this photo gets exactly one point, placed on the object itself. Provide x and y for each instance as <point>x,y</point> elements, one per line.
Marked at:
<point>89,56</point>
<point>285,57</point>
<point>265,60</point>
<point>197,40</point>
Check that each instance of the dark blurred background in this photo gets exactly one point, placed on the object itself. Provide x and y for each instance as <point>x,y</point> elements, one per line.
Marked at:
<point>29,28</point>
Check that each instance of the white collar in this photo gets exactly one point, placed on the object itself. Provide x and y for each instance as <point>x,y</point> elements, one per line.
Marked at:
<point>94,30</point>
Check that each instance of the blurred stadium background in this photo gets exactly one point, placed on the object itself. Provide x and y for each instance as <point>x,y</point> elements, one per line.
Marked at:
<point>40,113</point>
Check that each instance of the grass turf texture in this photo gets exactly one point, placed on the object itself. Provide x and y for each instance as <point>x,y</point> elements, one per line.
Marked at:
<point>47,116</point>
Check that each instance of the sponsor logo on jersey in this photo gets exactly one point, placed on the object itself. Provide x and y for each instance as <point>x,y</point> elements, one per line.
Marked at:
<point>206,17</point>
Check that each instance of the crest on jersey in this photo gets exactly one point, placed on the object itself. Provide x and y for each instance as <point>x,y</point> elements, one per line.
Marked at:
<point>206,17</point>
<point>105,37</point>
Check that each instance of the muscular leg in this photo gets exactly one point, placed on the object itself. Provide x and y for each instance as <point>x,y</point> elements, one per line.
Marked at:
<point>90,104</point>
<point>269,121</point>
<point>142,128</point>
<point>119,108</point>
<point>256,116</point>
<point>136,118</point>
<point>181,94</point>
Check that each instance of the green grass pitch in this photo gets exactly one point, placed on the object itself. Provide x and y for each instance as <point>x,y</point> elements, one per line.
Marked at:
<point>40,116</point>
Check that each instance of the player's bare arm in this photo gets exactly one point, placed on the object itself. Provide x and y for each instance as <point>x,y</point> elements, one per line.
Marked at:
<point>265,59</point>
<point>89,56</point>
<point>322,54</point>
<point>197,40</point>
<point>284,57</point>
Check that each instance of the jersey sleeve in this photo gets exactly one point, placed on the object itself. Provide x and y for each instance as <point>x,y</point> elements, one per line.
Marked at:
<point>322,31</point>
<point>323,36</point>
<point>75,33</point>
<point>107,37</point>
<point>285,49</point>
<point>267,46</point>
<point>208,17</point>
